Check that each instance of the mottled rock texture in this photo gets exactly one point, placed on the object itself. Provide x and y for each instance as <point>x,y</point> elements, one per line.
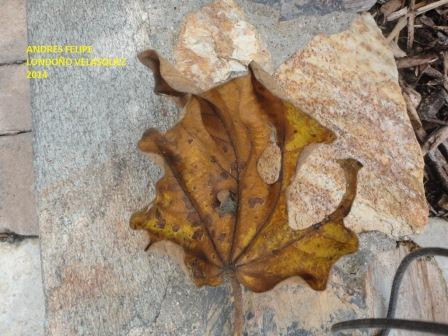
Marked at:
<point>218,42</point>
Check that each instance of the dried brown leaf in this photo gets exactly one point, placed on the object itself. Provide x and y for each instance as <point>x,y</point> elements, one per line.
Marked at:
<point>212,200</point>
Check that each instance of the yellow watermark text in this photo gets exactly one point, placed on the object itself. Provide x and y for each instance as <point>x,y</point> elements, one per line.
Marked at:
<point>65,56</point>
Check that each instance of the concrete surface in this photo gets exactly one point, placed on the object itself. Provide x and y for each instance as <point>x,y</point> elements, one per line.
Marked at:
<point>21,293</point>
<point>290,9</point>
<point>17,207</point>
<point>15,109</point>
<point>13,31</point>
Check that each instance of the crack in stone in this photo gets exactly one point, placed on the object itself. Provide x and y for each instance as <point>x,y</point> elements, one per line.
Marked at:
<point>13,63</point>
<point>156,317</point>
<point>14,132</point>
<point>12,237</point>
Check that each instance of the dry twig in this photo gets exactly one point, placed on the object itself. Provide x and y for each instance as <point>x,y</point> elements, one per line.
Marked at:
<point>402,12</point>
<point>412,61</point>
<point>435,139</point>
<point>411,21</point>
<point>422,30</point>
<point>397,29</point>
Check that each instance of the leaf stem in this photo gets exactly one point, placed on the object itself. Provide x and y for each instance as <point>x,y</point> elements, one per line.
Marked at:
<point>238,317</point>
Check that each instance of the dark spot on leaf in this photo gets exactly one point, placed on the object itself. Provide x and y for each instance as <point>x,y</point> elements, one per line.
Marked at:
<point>197,235</point>
<point>169,187</point>
<point>192,217</point>
<point>208,220</point>
<point>234,166</point>
<point>317,226</point>
<point>160,220</point>
<point>254,201</point>
<point>242,166</point>
<point>196,269</point>
<point>227,203</point>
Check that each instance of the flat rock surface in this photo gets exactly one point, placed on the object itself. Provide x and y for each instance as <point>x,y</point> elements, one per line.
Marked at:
<point>435,235</point>
<point>349,83</point>
<point>218,42</point>
<point>15,110</point>
<point>359,287</point>
<point>423,293</point>
<point>21,292</point>
<point>17,206</point>
<point>90,178</point>
<point>290,9</point>
<point>13,27</point>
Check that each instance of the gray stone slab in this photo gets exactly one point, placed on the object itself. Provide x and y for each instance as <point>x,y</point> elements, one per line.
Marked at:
<point>21,294</point>
<point>13,39</point>
<point>290,9</point>
<point>15,109</point>
<point>17,206</point>
<point>435,235</point>
<point>160,23</point>
<point>90,178</point>
<point>284,38</point>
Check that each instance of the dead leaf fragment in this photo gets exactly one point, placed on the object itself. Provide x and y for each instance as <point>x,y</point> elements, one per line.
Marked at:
<point>213,202</point>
